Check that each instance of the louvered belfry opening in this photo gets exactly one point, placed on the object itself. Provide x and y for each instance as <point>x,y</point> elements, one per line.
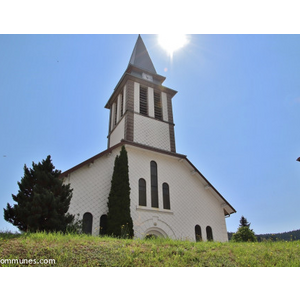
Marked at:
<point>157,106</point>
<point>143,101</point>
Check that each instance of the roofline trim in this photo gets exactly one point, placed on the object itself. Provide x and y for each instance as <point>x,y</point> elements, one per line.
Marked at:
<point>125,142</point>
<point>127,76</point>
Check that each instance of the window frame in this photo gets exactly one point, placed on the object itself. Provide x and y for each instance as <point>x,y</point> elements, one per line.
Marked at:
<point>103,225</point>
<point>142,192</point>
<point>87,228</point>
<point>154,184</point>
<point>198,233</point>
<point>209,234</point>
<point>166,196</point>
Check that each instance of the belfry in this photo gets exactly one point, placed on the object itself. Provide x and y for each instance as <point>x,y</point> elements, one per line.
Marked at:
<point>140,106</point>
<point>169,196</point>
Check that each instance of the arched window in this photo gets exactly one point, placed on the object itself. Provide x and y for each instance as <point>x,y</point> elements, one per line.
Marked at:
<point>87,223</point>
<point>198,234</point>
<point>209,234</point>
<point>142,192</point>
<point>154,187</point>
<point>103,224</point>
<point>166,196</point>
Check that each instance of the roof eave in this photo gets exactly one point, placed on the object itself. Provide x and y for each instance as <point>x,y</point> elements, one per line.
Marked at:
<point>127,76</point>
<point>232,210</point>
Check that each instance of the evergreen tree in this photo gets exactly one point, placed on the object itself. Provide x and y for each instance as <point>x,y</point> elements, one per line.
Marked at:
<point>119,222</point>
<point>244,233</point>
<point>244,222</point>
<point>42,200</point>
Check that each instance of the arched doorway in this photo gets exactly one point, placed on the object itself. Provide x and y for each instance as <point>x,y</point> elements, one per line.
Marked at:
<point>198,234</point>
<point>87,223</point>
<point>209,234</point>
<point>155,232</point>
<point>103,225</point>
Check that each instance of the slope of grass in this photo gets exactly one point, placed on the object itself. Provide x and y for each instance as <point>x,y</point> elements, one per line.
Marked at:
<point>82,250</point>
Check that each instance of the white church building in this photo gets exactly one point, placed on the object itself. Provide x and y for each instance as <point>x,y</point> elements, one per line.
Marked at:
<point>169,196</point>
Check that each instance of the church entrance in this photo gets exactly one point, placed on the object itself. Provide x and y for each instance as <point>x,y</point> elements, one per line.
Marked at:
<point>153,233</point>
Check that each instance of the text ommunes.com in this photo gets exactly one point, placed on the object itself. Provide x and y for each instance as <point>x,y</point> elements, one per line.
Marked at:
<point>26,261</point>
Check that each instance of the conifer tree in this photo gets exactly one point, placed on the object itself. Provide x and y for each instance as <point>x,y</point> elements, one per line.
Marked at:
<point>42,200</point>
<point>119,221</point>
<point>244,233</point>
<point>244,222</point>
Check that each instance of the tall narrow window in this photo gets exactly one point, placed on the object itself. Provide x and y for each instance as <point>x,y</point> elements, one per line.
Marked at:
<point>116,111</point>
<point>122,104</point>
<point>198,234</point>
<point>103,224</point>
<point>166,196</point>
<point>154,187</point>
<point>209,234</point>
<point>143,100</point>
<point>87,221</point>
<point>142,192</point>
<point>157,106</point>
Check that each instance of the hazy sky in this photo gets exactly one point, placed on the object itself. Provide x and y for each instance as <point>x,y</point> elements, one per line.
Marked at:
<point>236,112</point>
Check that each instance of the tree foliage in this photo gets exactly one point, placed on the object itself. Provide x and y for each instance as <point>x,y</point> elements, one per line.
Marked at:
<point>244,233</point>
<point>119,221</point>
<point>244,222</point>
<point>42,200</point>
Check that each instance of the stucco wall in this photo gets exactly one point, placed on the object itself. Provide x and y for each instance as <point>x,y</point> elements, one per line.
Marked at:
<point>191,203</point>
<point>151,132</point>
<point>91,186</point>
<point>117,134</point>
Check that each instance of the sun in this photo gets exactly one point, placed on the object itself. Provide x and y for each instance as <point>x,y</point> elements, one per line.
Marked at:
<point>172,42</point>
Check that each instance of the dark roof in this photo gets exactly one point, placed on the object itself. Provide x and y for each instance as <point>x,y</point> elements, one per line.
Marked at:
<point>140,57</point>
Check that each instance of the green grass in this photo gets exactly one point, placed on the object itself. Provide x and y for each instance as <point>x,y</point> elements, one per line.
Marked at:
<point>84,250</point>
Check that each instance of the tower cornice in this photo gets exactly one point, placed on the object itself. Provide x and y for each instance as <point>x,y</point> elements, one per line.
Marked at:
<point>131,68</point>
<point>127,77</point>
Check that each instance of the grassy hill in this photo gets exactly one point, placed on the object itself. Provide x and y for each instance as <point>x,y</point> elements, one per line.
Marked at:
<point>59,250</point>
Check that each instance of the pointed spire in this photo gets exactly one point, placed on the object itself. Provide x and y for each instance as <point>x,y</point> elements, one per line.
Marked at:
<point>140,57</point>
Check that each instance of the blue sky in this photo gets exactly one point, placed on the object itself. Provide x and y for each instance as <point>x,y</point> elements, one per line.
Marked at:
<point>236,112</point>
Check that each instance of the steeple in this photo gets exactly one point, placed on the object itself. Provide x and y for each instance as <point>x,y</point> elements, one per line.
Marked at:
<point>140,106</point>
<point>140,57</point>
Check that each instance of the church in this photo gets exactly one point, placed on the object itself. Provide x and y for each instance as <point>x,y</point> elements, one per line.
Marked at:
<point>169,196</point>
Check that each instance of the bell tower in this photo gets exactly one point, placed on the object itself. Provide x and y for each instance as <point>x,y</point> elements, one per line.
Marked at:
<point>140,106</point>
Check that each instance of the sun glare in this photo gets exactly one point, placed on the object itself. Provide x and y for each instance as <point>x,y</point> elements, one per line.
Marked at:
<point>172,42</point>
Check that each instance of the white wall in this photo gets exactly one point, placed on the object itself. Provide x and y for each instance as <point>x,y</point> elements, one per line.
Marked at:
<point>136,97</point>
<point>91,187</point>
<point>151,132</point>
<point>164,106</point>
<point>117,134</point>
<point>190,203</point>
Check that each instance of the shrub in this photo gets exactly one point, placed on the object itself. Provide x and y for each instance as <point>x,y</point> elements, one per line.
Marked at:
<point>244,234</point>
